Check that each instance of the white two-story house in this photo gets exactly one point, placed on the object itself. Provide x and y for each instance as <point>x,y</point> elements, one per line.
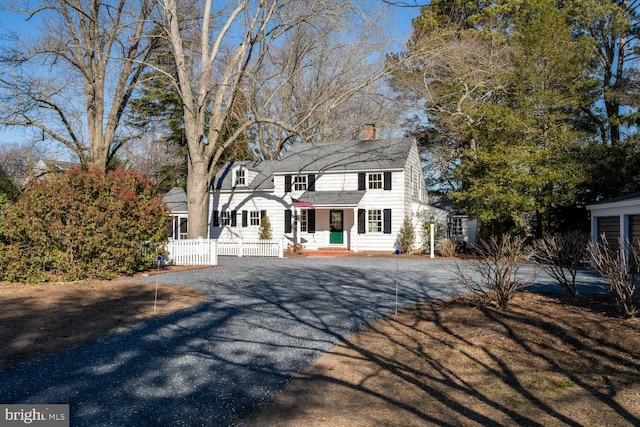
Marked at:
<point>348,194</point>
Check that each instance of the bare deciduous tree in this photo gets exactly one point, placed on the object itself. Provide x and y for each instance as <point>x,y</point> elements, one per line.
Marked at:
<point>324,82</point>
<point>73,82</point>
<point>218,51</point>
<point>155,159</point>
<point>18,161</point>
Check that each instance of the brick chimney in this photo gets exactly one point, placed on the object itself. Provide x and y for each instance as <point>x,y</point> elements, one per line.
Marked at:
<point>369,131</point>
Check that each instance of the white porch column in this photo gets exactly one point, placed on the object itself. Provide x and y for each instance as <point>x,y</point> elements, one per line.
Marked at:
<point>432,236</point>
<point>296,218</point>
<point>354,231</point>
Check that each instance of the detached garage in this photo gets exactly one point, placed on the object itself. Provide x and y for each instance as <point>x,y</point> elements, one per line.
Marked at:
<point>618,217</point>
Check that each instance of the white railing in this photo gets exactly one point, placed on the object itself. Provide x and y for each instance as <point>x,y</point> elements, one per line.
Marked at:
<point>192,252</point>
<point>206,251</point>
<point>251,248</point>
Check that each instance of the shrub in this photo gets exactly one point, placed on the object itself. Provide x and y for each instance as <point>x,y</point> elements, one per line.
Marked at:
<point>560,256</point>
<point>84,224</point>
<point>294,249</point>
<point>447,247</point>
<point>4,204</point>
<point>494,275</point>
<point>265,228</point>
<point>406,236</point>
<point>620,268</point>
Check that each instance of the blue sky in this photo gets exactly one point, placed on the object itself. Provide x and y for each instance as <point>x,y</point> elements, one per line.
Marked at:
<point>399,25</point>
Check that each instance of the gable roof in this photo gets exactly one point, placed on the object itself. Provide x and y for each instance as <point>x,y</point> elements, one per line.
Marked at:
<point>358,155</point>
<point>223,180</point>
<point>446,204</point>
<point>47,166</point>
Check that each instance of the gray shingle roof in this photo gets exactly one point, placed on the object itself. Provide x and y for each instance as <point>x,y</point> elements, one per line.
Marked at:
<point>631,196</point>
<point>333,198</point>
<point>364,155</point>
<point>176,199</point>
<point>347,155</point>
<point>263,181</point>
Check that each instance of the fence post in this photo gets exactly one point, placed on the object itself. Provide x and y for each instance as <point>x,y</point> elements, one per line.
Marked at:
<point>281,248</point>
<point>240,249</point>
<point>214,251</point>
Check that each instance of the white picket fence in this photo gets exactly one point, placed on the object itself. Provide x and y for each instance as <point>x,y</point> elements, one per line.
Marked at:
<point>251,248</point>
<point>192,252</point>
<point>206,251</point>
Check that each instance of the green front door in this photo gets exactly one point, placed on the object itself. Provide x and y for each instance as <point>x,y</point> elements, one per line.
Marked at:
<point>336,228</point>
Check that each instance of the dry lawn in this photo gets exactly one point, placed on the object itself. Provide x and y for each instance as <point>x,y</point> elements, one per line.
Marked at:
<point>44,318</point>
<point>548,361</point>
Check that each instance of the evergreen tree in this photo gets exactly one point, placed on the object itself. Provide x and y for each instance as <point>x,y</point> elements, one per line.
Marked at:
<point>7,186</point>
<point>265,228</point>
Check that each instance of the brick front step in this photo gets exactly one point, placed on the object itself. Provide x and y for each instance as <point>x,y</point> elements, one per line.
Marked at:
<point>329,252</point>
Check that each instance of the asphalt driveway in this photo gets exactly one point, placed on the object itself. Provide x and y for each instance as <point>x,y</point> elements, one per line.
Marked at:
<point>263,320</point>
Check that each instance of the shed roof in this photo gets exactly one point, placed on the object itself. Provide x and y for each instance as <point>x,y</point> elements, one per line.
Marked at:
<point>332,198</point>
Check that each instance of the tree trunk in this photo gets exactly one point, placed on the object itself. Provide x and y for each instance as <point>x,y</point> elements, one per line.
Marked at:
<point>197,196</point>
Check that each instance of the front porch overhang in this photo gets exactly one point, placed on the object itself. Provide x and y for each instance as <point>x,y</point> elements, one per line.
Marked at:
<point>332,199</point>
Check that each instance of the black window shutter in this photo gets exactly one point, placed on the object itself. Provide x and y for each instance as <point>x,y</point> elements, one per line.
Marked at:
<point>386,227</point>
<point>387,180</point>
<point>263,214</point>
<point>287,183</point>
<point>287,221</point>
<point>311,182</point>
<point>311,221</point>
<point>245,218</point>
<point>362,178</point>
<point>216,218</point>
<point>234,214</point>
<point>362,221</point>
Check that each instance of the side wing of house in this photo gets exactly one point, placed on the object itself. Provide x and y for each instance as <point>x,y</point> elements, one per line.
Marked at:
<point>616,218</point>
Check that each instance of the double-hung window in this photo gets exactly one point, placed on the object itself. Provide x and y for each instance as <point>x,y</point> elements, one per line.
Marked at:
<point>374,221</point>
<point>300,183</point>
<point>456,227</point>
<point>254,218</point>
<point>225,218</point>
<point>240,177</point>
<point>375,181</point>
<point>304,220</point>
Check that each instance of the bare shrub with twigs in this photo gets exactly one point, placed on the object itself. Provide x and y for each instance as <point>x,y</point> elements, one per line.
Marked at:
<point>494,275</point>
<point>447,247</point>
<point>560,256</point>
<point>620,267</point>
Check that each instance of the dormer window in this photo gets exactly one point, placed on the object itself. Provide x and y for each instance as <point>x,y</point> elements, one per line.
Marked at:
<point>240,177</point>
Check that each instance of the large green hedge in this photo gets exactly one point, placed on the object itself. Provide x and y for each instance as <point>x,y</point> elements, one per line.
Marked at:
<point>85,224</point>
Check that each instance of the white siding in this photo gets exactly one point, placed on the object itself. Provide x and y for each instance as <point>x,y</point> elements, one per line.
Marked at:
<point>404,198</point>
<point>384,199</point>
<point>337,181</point>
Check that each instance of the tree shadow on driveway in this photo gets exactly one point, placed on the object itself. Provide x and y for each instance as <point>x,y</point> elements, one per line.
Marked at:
<point>213,364</point>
